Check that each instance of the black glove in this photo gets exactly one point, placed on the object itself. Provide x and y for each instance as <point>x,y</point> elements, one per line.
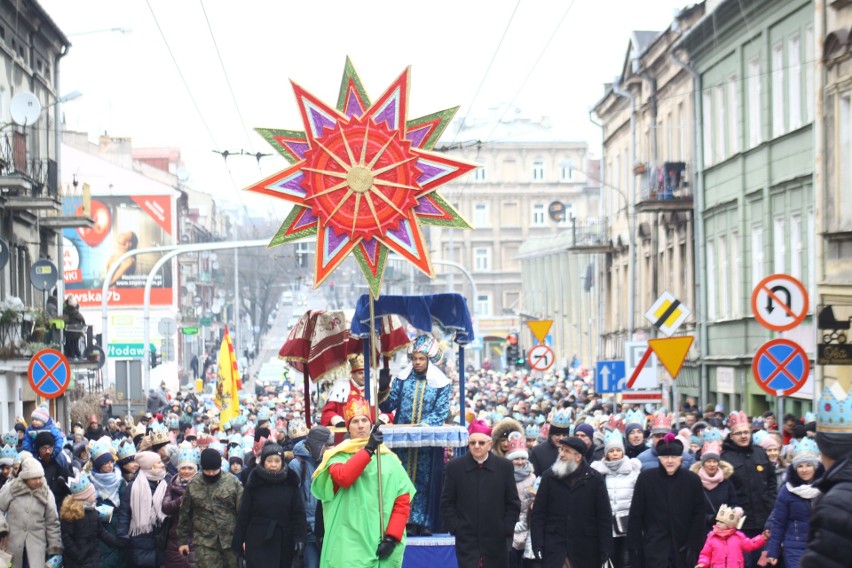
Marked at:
<point>299,547</point>
<point>384,379</point>
<point>386,547</point>
<point>376,439</point>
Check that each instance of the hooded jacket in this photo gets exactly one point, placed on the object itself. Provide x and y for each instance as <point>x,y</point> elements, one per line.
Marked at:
<point>31,521</point>
<point>830,531</point>
<point>754,481</point>
<point>303,465</point>
<point>82,533</point>
<point>619,484</point>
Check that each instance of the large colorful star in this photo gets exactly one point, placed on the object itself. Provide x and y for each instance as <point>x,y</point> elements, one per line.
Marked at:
<point>363,179</point>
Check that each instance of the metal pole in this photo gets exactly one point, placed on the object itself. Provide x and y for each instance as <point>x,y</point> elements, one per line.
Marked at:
<point>461,387</point>
<point>374,363</point>
<point>237,307</point>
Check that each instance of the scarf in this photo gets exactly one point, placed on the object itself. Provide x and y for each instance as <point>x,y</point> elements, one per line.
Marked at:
<point>349,446</point>
<point>146,510</point>
<point>521,473</point>
<point>723,533</point>
<point>710,482</point>
<point>804,491</point>
<point>615,465</point>
<point>107,485</point>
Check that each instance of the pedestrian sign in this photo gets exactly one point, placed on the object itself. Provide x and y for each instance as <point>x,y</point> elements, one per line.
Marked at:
<point>610,377</point>
<point>49,373</point>
<point>667,314</point>
<point>780,367</point>
<point>541,357</point>
<point>540,328</point>
<point>779,302</point>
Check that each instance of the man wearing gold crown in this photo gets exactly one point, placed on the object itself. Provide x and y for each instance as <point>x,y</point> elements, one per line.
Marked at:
<point>421,396</point>
<point>347,483</point>
<point>345,390</point>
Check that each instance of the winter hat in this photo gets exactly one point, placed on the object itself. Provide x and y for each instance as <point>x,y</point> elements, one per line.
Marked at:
<point>146,460</point>
<point>517,446</point>
<point>41,414</point>
<point>711,451</point>
<point>297,429</point>
<point>235,459</point>
<point>669,446</point>
<point>271,449</point>
<point>30,469</point>
<point>560,422</point>
<point>632,426</point>
<point>7,455</point>
<point>479,427</point>
<point>834,422</point>
<point>586,429</point>
<point>44,438</point>
<point>769,441</point>
<point>210,459</point>
<point>805,451</point>
<point>613,440</point>
<point>318,438</point>
<point>575,443</point>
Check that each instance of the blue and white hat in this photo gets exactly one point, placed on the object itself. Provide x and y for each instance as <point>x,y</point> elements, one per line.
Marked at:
<point>189,457</point>
<point>126,450</point>
<point>7,455</point>
<point>105,512</point>
<point>10,438</point>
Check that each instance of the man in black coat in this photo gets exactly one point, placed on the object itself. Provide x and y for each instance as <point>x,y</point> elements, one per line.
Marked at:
<point>544,455</point>
<point>480,503</point>
<point>571,517</point>
<point>665,528</point>
<point>830,531</point>
<point>754,478</point>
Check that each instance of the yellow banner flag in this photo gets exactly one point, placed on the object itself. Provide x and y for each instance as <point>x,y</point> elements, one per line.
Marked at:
<point>228,382</point>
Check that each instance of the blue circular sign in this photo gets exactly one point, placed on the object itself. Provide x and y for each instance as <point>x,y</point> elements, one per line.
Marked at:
<point>780,367</point>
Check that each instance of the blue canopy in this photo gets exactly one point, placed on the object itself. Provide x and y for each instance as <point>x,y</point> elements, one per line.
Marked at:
<point>448,311</point>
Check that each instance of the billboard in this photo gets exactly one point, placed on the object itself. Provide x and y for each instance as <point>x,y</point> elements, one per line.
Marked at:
<point>122,223</point>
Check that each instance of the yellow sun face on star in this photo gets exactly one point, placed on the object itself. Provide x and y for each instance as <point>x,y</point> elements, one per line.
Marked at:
<point>363,179</point>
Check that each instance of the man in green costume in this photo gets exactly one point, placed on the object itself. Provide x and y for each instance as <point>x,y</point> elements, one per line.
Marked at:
<point>347,483</point>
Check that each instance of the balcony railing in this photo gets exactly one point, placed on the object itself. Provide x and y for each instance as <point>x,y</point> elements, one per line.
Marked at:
<point>667,182</point>
<point>590,235</point>
<point>33,177</point>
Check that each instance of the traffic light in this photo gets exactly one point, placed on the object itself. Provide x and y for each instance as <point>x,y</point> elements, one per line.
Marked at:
<point>155,358</point>
<point>520,358</point>
<point>512,349</point>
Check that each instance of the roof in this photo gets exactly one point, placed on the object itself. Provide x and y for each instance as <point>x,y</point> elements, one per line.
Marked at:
<point>642,39</point>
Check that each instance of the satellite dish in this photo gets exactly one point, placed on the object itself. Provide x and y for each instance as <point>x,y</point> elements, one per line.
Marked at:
<point>25,109</point>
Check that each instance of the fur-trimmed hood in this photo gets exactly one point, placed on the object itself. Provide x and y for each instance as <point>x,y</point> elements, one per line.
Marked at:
<point>503,428</point>
<point>20,488</point>
<point>727,469</point>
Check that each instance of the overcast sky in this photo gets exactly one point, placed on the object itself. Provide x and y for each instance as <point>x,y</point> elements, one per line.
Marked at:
<point>553,61</point>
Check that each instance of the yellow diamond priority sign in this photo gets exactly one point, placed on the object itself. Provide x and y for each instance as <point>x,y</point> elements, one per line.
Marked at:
<point>667,314</point>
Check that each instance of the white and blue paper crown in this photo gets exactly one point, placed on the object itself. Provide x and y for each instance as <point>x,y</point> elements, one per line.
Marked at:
<point>54,561</point>
<point>218,446</point>
<point>79,484</point>
<point>189,455</point>
<point>711,435</point>
<point>834,411</point>
<point>612,435</point>
<point>561,418</point>
<point>10,438</point>
<point>532,431</point>
<point>804,446</point>
<point>105,512</point>
<point>101,447</point>
<point>126,449</point>
<point>636,416</point>
<point>758,436</point>
<point>7,455</point>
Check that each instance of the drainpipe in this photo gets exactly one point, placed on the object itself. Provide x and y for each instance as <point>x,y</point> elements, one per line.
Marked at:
<point>57,142</point>
<point>631,210</point>
<point>698,219</point>
<point>599,287</point>
<point>655,269</point>
<point>820,179</point>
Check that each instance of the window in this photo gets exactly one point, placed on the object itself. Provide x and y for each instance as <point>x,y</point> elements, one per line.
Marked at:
<point>754,123</point>
<point>733,116</point>
<point>566,170</point>
<point>809,73</point>
<point>796,247</point>
<point>479,174</point>
<point>722,248</point>
<point>538,170</point>
<point>736,257</point>
<point>538,214</point>
<point>779,245</point>
<point>482,259</point>
<point>719,134</point>
<point>794,84</point>
<point>707,114</point>
<point>681,125</point>
<point>569,214</point>
<point>480,215</point>
<point>711,280</point>
<point>483,304</point>
<point>756,256</point>
<point>509,216</point>
<point>777,90</point>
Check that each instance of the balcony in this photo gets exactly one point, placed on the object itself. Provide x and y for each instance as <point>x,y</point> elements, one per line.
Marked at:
<point>589,236</point>
<point>25,182</point>
<point>665,189</point>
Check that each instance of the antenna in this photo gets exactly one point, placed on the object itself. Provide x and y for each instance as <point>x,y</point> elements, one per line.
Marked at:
<point>25,109</point>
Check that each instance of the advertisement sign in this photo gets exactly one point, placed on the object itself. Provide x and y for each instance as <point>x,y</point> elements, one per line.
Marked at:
<point>122,223</point>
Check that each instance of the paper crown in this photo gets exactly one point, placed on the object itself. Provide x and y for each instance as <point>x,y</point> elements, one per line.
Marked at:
<point>356,406</point>
<point>79,484</point>
<point>20,456</point>
<point>356,362</point>
<point>711,435</point>
<point>297,428</point>
<point>661,423</point>
<point>804,446</point>
<point>532,431</point>
<point>737,419</point>
<point>262,415</point>
<point>54,561</point>
<point>425,344</point>
<point>7,455</point>
<point>810,417</point>
<point>634,415</point>
<point>10,438</point>
<point>159,435</point>
<point>834,411</point>
<point>190,433</point>
<point>101,446</point>
<point>615,422</point>
<point>613,436</point>
<point>560,418</point>
<point>517,446</point>
<point>105,512</point>
<point>711,448</point>
<point>758,436</point>
<point>218,446</point>
<point>126,449</point>
<point>733,517</point>
<point>189,455</point>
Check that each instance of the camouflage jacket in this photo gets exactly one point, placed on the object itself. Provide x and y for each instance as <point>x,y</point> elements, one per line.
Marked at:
<point>208,512</point>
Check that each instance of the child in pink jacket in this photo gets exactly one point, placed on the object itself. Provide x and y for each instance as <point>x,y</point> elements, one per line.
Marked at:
<point>725,543</point>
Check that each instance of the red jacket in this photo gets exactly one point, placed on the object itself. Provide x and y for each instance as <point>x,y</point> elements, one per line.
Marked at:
<point>721,552</point>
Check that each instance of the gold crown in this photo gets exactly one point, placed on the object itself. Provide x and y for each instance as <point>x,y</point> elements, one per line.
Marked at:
<point>356,362</point>
<point>731,516</point>
<point>357,406</point>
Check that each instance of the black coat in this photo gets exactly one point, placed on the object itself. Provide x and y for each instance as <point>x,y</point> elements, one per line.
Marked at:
<point>171,507</point>
<point>143,550</point>
<point>830,532</point>
<point>666,518</point>
<point>543,456</point>
<point>722,494</point>
<point>754,481</point>
<point>271,519</point>
<point>571,517</point>
<point>80,540</point>
<point>480,506</point>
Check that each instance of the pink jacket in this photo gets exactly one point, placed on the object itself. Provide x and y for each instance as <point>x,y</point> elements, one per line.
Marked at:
<point>721,552</point>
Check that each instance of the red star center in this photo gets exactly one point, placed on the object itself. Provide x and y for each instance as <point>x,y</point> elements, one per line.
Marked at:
<point>360,178</point>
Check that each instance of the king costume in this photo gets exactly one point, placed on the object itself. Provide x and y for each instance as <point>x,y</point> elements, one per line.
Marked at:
<point>347,483</point>
<point>419,399</point>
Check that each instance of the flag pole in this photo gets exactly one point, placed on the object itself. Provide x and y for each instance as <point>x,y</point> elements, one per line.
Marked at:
<point>374,386</point>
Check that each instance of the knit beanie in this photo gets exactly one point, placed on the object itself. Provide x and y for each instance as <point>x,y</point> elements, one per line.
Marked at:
<point>44,438</point>
<point>210,459</point>
<point>612,441</point>
<point>271,449</point>
<point>102,460</point>
<point>31,469</point>
<point>41,414</point>
<point>835,445</point>
<point>632,426</point>
<point>769,441</point>
<point>318,438</point>
<point>146,460</point>
<point>586,429</point>
<point>235,459</point>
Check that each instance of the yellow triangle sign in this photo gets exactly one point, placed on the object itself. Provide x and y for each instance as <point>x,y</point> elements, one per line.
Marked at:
<point>540,328</point>
<point>672,351</point>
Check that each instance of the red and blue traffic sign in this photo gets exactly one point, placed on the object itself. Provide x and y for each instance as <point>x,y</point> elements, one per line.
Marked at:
<point>49,373</point>
<point>780,367</point>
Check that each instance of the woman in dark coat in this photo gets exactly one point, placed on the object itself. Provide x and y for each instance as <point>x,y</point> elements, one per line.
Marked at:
<point>271,525</point>
<point>109,485</point>
<point>188,460</point>
<point>715,476</point>
<point>140,516</point>
<point>82,530</point>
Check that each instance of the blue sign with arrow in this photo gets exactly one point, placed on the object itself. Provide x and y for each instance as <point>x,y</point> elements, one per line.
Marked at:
<point>610,377</point>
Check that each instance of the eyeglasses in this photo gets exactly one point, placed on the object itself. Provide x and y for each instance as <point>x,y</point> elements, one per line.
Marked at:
<point>477,442</point>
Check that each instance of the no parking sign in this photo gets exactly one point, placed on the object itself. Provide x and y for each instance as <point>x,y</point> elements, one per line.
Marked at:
<point>49,373</point>
<point>780,367</point>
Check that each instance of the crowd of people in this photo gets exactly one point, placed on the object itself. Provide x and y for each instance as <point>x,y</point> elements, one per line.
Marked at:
<point>552,476</point>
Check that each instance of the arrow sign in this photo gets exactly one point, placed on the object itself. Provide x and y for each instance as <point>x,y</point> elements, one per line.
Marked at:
<point>672,352</point>
<point>610,377</point>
